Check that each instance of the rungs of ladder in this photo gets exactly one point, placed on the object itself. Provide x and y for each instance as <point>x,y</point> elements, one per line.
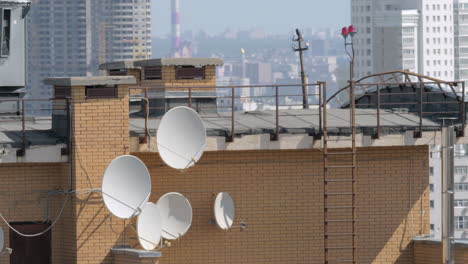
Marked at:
<point>327,194</point>
<point>340,167</point>
<point>340,234</point>
<point>340,207</point>
<point>340,221</point>
<point>340,153</point>
<point>340,248</point>
<point>340,180</point>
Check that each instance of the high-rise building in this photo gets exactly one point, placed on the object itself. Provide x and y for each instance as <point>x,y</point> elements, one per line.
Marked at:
<point>415,35</point>
<point>461,39</point>
<point>72,37</point>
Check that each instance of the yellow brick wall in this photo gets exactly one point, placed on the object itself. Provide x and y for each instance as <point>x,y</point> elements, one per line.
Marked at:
<point>432,254</point>
<point>278,193</point>
<point>101,134</point>
<point>23,194</point>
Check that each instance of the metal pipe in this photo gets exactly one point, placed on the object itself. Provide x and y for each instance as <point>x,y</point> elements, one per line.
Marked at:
<point>277,114</point>
<point>448,194</point>
<point>233,110</point>
<point>377,135</point>
<point>23,127</point>
<point>321,86</point>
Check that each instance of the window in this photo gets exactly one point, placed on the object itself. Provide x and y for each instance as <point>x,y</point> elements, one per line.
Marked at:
<point>461,222</point>
<point>461,203</point>
<point>432,203</point>
<point>432,227</point>
<point>461,170</point>
<point>5,18</point>
<point>431,187</point>
<point>461,187</point>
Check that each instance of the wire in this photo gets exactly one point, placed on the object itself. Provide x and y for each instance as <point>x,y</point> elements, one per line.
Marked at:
<point>43,232</point>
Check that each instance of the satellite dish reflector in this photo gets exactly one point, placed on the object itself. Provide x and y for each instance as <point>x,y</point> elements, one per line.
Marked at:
<point>224,210</point>
<point>149,226</point>
<point>176,215</point>
<point>126,186</point>
<point>181,138</point>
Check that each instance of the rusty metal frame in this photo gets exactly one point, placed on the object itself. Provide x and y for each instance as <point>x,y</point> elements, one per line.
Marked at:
<point>392,79</point>
<point>144,92</point>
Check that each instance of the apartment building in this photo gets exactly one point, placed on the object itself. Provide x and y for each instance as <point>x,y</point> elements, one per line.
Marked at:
<point>72,37</point>
<point>393,33</point>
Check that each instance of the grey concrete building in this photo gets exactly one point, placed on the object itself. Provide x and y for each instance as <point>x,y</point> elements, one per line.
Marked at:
<point>12,52</point>
<point>72,37</point>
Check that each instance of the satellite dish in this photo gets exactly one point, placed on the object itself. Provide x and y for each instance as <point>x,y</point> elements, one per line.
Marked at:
<point>149,226</point>
<point>181,138</point>
<point>126,186</point>
<point>224,210</point>
<point>176,215</point>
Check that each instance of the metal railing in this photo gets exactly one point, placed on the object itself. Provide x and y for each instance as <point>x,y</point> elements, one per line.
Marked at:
<point>19,116</point>
<point>227,99</point>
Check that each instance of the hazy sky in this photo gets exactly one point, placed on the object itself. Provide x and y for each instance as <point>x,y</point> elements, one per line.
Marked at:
<point>275,16</point>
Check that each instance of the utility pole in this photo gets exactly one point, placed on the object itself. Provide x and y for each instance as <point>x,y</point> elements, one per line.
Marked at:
<point>300,48</point>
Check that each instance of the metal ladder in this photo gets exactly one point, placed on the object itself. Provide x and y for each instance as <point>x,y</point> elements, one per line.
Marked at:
<point>339,193</point>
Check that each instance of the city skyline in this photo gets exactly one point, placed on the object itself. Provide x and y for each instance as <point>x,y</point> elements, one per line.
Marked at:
<point>263,14</point>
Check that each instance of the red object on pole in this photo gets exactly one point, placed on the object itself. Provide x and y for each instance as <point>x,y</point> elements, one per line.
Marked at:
<point>352,30</point>
<point>344,32</point>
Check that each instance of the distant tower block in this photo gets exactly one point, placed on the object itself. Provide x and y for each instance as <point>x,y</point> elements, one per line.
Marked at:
<point>175,28</point>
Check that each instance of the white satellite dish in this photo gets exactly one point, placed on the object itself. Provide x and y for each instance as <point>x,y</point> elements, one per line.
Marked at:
<point>176,215</point>
<point>149,226</point>
<point>181,138</point>
<point>126,186</point>
<point>224,210</point>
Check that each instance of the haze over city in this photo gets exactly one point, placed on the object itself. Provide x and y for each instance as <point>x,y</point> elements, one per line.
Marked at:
<point>274,16</point>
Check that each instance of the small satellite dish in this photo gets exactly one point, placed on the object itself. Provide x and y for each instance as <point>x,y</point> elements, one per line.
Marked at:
<point>224,210</point>
<point>126,186</point>
<point>176,215</point>
<point>181,138</point>
<point>149,226</point>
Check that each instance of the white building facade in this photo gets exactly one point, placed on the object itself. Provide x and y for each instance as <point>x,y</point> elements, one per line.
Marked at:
<point>461,39</point>
<point>461,191</point>
<point>415,35</point>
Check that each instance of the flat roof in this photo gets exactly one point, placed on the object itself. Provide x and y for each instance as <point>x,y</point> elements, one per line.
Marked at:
<point>162,62</point>
<point>300,121</point>
<point>85,81</point>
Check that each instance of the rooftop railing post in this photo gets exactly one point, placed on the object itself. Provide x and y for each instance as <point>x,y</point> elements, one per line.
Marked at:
<point>321,86</point>
<point>233,110</point>
<point>69,125</point>
<point>22,152</point>
<point>418,134</point>
<point>377,134</point>
<point>190,97</point>
<point>146,102</point>
<point>276,136</point>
